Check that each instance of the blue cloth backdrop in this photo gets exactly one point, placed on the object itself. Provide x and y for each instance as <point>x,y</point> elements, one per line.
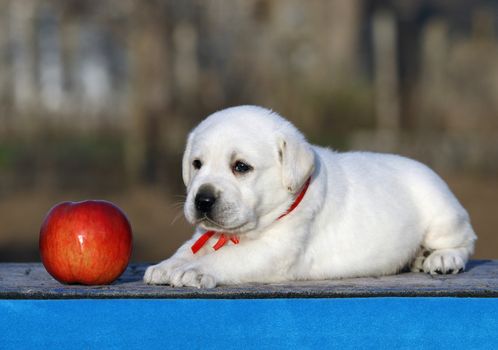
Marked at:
<point>357,323</point>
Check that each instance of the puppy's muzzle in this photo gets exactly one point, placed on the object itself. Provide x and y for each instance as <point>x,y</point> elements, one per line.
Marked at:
<point>205,199</point>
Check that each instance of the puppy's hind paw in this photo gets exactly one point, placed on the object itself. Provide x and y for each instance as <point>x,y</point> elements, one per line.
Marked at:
<point>445,261</point>
<point>417,264</point>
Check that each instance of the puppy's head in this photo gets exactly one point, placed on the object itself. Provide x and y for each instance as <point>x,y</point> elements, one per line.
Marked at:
<point>242,167</point>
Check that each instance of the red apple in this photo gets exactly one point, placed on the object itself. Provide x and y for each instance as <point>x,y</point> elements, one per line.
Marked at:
<point>85,242</point>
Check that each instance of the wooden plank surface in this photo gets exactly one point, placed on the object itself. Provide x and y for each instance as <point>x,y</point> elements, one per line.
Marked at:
<point>31,281</point>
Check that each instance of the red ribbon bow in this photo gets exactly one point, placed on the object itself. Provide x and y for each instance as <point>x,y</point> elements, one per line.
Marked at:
<point>223,239</point>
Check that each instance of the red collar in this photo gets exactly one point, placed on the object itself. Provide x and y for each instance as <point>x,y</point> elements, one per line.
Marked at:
<point>223,239</point>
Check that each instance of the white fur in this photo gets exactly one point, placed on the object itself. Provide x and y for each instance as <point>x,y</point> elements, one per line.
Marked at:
<point>364,214</point>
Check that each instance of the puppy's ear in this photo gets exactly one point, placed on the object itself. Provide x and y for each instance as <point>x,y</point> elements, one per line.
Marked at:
<point>186,166</point>
<point>297,159</point>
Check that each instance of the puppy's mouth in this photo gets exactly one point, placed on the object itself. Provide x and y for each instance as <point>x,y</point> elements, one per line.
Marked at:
<point>210,224</point>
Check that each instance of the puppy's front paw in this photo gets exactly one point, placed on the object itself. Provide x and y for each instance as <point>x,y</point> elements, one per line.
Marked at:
<point>161,273</point>
<point>191,277</point>
<point>156,275</point>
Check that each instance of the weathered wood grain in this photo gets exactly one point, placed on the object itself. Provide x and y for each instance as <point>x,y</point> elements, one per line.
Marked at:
<point>31,281</point>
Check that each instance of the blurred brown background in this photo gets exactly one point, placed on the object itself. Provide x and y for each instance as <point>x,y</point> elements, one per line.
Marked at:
<point>96,97</point>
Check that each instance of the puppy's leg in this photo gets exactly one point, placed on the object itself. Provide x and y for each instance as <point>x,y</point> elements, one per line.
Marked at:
<point>161,273</point>
<point>255,261</point>
<point>451,242</point>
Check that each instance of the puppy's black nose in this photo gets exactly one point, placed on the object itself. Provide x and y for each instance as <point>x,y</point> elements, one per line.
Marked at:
<point>204,201</point>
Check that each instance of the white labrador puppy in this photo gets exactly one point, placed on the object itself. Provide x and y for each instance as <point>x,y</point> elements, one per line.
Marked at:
<point>270,207</point>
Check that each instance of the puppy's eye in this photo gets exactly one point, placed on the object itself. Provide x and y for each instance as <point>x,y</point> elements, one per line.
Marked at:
<point>241,167</point>
<point>197,164</point>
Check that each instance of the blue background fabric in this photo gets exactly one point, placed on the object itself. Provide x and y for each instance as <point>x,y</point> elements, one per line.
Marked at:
<point>350,323</point>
